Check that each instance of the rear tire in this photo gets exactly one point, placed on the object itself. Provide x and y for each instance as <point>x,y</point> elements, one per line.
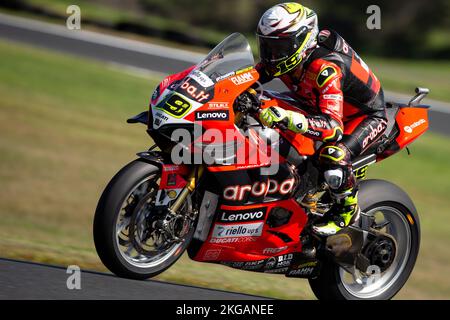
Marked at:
<point>105,223</point>
<point>373,195</point>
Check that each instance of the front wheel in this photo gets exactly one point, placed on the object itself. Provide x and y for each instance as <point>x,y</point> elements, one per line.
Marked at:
<point>390,206</point>
<point>127,229</point>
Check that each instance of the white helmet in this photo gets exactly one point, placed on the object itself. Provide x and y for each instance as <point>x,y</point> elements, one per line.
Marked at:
<point>286,34</point>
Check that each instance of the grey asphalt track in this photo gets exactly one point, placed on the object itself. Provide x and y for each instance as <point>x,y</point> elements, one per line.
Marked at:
<point>25,280</point>
<point>149,57</point>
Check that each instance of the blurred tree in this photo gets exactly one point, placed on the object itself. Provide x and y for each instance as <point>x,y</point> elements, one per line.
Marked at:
<point>409,28</point>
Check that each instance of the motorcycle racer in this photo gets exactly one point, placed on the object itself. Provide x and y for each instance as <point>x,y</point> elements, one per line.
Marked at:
<point>342,100</point>
<point>232,210</point>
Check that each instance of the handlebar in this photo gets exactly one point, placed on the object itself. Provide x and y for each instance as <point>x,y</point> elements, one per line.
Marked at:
<point>255,110</point>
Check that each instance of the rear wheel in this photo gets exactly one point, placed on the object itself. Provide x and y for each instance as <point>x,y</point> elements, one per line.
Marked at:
<point>394,211</point>
<point>128,228</point>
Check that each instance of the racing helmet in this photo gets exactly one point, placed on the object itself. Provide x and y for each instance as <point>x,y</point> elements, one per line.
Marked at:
<point>286,34</point>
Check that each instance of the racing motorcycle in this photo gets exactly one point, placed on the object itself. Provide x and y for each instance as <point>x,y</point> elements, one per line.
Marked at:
<point>228,207</point>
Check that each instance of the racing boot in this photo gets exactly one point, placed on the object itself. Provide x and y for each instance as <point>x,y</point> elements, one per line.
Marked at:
<point>343,213</point>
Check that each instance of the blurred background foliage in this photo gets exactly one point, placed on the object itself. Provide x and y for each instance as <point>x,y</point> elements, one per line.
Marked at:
<point>409,28</point>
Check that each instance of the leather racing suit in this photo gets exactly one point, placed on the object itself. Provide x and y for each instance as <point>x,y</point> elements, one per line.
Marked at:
<point>344,107</point>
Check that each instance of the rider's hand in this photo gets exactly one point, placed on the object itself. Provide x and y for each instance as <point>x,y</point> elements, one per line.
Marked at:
<point>290,120</point>
<point>244,103</point>
<point>247,102</point>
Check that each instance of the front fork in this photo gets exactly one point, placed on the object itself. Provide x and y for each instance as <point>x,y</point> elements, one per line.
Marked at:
<point>176,225</point>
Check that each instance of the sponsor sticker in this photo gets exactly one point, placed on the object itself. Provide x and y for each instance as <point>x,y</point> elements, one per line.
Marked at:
<point>171,167</point>
<point>244,70</point>
<point>374,133</point>
<point>176,106</point>
<point>212,254</point>
<point>155,94</point>
<point>284,260</point>
<point>196,93</point>
<point>237,264</point>
<point>411,127</point>
<point>233,264</point>
<point>306,264</point>
<point>201,78</point>
<point>333,97</point>
<point>161,116</point>
<point>328,87</point>
<point>174,85</point>
<point>232,240</point>
<point>258,189</point>
<point>243,215</point>
<point>271,262</point>
<point>314,133</point>
<point>326,74</point>
<point>235,231</point>
<point>274,250</point>
<point>301,272</point>
<point>281,270</point>
<point>242,78</point>
<point>253,265</point>
<point>166,82</point>
<point>212,115</point>
<point>250,265</point>
<point>318,123</point>
<point>229,74</point>
<point>218,105</point>
<point>303,269</point>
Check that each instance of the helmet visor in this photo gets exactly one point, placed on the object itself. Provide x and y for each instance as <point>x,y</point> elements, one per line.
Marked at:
<point>273,49</point>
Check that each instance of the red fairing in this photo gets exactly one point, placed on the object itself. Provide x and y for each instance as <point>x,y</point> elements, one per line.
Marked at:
<point>172,176</point>
<point>233,239</point>
<point>412,122</point>
<point>168,81</point>
<point>252,151</point>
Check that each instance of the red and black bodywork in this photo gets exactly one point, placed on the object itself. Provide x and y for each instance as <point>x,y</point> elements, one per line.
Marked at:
<point>248,219</point>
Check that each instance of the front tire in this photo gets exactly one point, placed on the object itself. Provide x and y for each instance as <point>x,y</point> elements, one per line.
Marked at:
<point>115,239</point>
<point>377,197</point>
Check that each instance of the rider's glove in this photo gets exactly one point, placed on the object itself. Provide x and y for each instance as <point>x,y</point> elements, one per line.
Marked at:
<point>290,120</point>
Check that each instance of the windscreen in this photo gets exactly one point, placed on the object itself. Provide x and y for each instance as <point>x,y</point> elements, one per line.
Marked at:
<point>197,88</point>
<point>232,54</point>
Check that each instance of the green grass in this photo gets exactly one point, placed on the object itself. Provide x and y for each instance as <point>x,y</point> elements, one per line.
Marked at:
<point>404,75</point>
<point>63,136</point>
